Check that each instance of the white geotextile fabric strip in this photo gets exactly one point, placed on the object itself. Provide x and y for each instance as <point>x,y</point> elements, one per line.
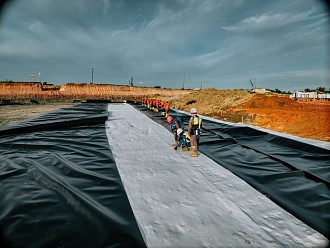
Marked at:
<point>180,201</point>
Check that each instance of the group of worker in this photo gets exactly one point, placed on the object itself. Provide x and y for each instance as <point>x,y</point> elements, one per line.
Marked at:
<point>184,140</point>
<point>156,105</point>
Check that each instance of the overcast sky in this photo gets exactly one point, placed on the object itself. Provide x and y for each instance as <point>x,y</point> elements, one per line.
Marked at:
<point>223,44</point>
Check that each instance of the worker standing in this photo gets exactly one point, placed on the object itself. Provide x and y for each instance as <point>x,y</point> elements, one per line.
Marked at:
<point>194,130</point>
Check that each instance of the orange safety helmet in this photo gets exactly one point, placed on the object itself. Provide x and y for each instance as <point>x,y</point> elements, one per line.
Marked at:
<point>169,118</point>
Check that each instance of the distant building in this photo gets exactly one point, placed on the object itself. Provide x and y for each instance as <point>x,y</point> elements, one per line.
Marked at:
<point>310,95</point>
<point>325,96</point>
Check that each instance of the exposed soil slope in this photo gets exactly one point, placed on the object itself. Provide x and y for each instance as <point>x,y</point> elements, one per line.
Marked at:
<point>307,119</point>
<point>310,119</point>
<point>80,91</point>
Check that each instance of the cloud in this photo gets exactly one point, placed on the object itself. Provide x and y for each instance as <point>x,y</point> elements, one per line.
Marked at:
<point>163,16</point>
<point>159,41</point>
<point>266,21</point>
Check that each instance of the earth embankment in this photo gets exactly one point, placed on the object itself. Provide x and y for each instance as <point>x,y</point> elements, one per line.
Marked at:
<point>80,91</point>
<point>306,119</point>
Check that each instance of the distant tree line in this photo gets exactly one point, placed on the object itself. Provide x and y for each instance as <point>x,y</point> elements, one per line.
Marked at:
<point>280,91</point>
<point>318,89</point>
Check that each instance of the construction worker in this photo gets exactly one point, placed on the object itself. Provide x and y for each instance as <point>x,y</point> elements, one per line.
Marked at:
<point>184,140</point>
<point>194,130</point>
<point>175,124</point>
<point>167,108</point>
<point>162,109</point>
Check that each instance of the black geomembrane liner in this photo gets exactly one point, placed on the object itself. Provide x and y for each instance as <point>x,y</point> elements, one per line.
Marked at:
<point>293,174</point>
<point>60,186</point>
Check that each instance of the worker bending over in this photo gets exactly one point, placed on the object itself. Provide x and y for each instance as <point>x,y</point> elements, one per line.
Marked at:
<point>184,140</point>
<point>175,123</point>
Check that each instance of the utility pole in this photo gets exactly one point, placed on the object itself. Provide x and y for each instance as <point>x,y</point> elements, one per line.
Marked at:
<point>201,84</point>
<point>130,81</point>
<point>93,74</point>
<point>184,79</point>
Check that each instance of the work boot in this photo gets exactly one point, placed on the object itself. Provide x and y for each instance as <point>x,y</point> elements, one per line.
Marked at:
<point>175,144</point>
<point>194,154</point>
<point>185,149</point>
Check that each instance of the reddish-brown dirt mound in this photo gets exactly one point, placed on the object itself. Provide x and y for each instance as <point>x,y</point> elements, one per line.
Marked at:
<point>307,119</point>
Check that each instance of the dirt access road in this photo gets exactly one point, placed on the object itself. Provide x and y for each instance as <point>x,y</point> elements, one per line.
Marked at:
<point>10,114</point>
